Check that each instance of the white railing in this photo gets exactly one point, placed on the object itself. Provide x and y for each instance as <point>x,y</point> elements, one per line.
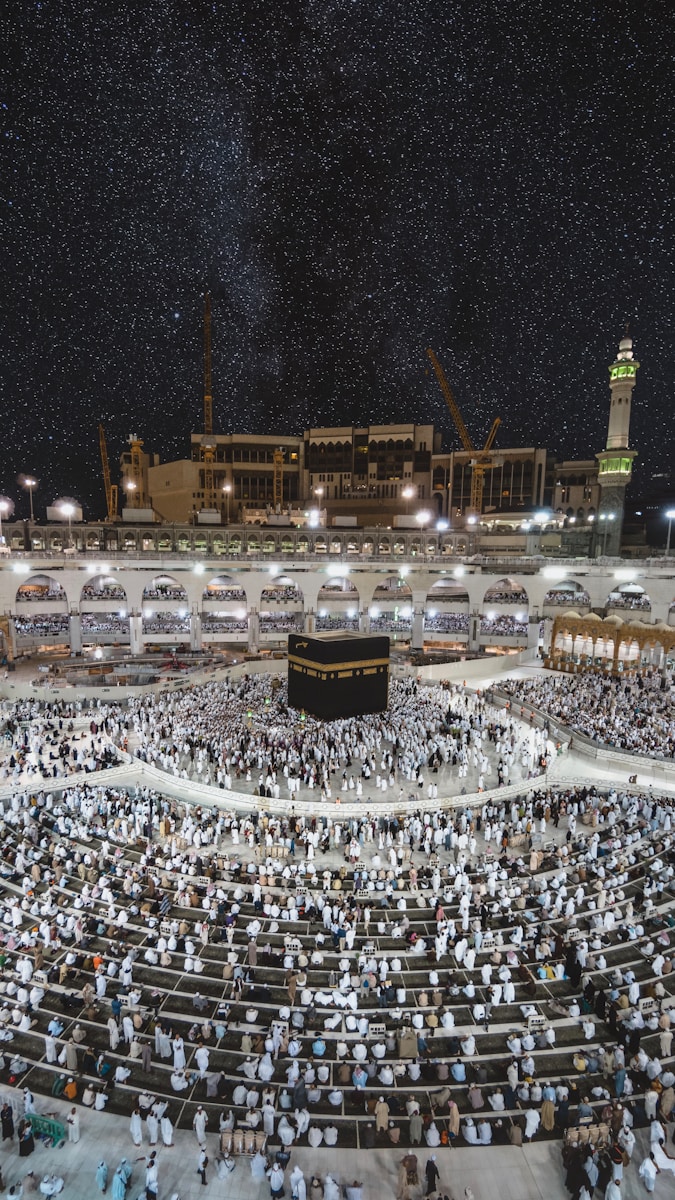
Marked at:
<point>660,770</point>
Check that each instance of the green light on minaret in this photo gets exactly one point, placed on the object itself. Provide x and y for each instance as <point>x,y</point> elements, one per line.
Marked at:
<point>614,466</point>
<point>623,371</point>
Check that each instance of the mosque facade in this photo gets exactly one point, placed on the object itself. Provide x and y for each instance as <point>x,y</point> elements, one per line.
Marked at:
<point>488,583</point>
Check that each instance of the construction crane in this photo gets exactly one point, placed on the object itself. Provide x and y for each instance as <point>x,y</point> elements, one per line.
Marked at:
<point>278,480</point>
<point>482,460</point>
<point>208,394</point>
<point>111,489</point>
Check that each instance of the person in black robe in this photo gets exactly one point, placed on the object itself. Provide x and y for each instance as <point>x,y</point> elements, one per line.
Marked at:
<point>7,1122</point>
<point>26,1140</point>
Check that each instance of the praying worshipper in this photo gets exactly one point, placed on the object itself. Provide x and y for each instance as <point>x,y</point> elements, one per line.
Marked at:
<point>51,1185</point>
<point>484,1130</point>
<point>470,1132</point>
<point>532,1120</point>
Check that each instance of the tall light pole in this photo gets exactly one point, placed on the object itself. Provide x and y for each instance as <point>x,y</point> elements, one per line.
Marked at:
<point>68,511</point>
<point>29,483</point>
<point>423,518</point>
<point>605,518</point>
<point>227,488</point>
<point>671,517</point>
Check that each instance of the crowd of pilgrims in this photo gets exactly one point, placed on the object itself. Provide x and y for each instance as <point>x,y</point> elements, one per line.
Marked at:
<point>51,741</point>
<point>503,626</point>
<point>634,713</point>
<point>229,733</point>
<point>142,860</point>
<point>106,820</point>
<point>243,732</point>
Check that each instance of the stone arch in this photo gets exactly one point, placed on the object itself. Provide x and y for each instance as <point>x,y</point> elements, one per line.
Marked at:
<point>394,588</point>
<point>281,606</point>
<point>281,588</point>
<point>337,604</point>
<point>506,591</point>
<point>164,588</point>
<point>629,650</point>
<point>446,608</point>
<point>652,650</point>
<point>449,590</point>
<point>617,644</point>
<point>104,610</point>
<point>505,610</point>
<point>103,587</point>
<point>567,593</point>
<point>44,619</point>
<point>165,608</point>
<point>392,607</point>
<point>42,589</point>
<point>224,588</point>
<point>629,597</point>
<point>340,585</point>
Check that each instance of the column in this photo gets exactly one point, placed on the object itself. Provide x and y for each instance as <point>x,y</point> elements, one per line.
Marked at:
<point>11,643</point>
<point>364,621</point>
<point>417,639</point>
<point>75,632</point>
<point>195,631</point>
<point>253,631</point>
<point>474,631</point>
<point>310,621</point>
<point>533,631</point>
<point>136,633</point>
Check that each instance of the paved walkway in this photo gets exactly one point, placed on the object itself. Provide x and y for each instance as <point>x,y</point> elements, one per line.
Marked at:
<point>493,1173</point>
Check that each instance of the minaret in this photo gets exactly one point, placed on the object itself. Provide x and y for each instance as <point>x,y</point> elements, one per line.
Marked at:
<point>615,462</point>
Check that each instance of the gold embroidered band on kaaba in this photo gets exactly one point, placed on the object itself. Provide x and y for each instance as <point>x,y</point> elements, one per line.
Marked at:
<point>296,661</point>
<point>344,670</point>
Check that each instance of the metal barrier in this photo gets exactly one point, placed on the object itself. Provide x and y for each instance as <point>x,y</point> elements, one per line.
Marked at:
<point>47,1127</point>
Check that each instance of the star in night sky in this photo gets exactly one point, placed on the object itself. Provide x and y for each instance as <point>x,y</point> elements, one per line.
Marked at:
<point>354,180</point>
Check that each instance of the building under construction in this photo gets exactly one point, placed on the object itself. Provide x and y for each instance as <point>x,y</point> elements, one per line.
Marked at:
<point>393,474</point>
<point>371,473</point>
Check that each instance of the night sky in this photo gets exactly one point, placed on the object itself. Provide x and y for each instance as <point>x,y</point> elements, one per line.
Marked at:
<point>354,180</point>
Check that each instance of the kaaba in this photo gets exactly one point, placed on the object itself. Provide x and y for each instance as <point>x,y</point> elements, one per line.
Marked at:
<point>338,674</point>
